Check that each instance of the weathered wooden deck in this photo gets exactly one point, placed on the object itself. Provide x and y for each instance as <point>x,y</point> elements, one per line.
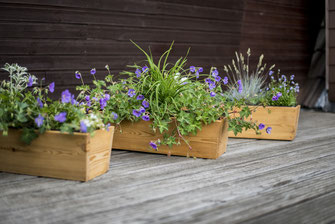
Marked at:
<point>255,181</point>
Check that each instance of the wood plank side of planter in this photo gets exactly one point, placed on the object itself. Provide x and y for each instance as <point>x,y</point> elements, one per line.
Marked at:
<point>210,142</point>
<point>283,120</point>
<point>77,156</point>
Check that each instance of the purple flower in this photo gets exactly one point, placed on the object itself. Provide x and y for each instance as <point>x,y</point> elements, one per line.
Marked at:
<point>39,120</point>
<point>215,73</point>
<point>66,96</point>
<point>240,87</point>
<point>209,81</point>
<point>114,116</point>
<point>145,104</point>
<point>153,145</point>
<point>93,71</point>
<point>225,80</point>
<point>142,110</point>
<point>261,126</point>
<point>212,94</point>
<point>52,87</point>
<point>145,118</point>
<point>140,97</point>
<point>217,78</point>
<point>211,86</point>
<point>30,81</point>
<point>39,102</point>
<point>192,69</point>
<point>77,74</point>
<point>274,98</point>
<point>73,100</point>
<point>87,98</point>
<point>145,69</point>
<point>197,74</point>
<point>103,103</point>
<point>268,130</point>
<point>279,94</point>
<point>107,126</point>
<point>107,96</point>
<point>83,127</point>
<point>136,113</point>
<point>270,73</point>
<point>61,117</point>
<point>239,82</point>
<point>272,77</point>
<point>138,73</point>
<point>200,69</point>
<point>131,92</point>
<point>292,77</point>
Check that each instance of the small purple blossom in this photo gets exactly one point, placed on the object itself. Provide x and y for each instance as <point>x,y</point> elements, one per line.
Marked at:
<point>279,94</point>
<point>272,77</point>
<point>77,74</point>
<point>142,110</point>
<point>87,98</point>
<point>217,78</point>
<point>107,126</point>
<point>291,77</point>
<point>136,113</point>
<point>40,104</point>
<point>138,73</point>
<point>275,98</point>
<point>200,69</point>
<point>39,120</point>
<point>209,81</point>
<point>30,81</point>
<point>145,69</point>
<point>131,92</point>
<point>61,117</point>
<point>107,96</point>
<point>145,118</point>
<point>261,126</point>
<point>212,94</point>
<point>73,100</point>
<point>114,116</point>
<point>240,87</point>
<point>215,73</point>
<point>93,71</point>
<point>225,80</point>
<point>140,97</point>
<point>52,87</point>
<point>268,130</point>
<point>153,145</point>
<point>197,74</point>
<point>83,127</point>
<point>211,86</point>
<point>145,104</point>
<point>192,69</point>
<point>270,73</point>
<point>66,96</point>
<point>103,103</point>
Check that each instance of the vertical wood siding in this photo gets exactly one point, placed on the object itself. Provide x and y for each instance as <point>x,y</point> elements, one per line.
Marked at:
<point>56,38</point>
<point>331,50</point>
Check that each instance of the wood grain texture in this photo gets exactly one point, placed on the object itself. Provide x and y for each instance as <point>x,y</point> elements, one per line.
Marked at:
<point>210,142</point>
<point>53,154</point>
<point>283,120</point>
<point>255,181</point>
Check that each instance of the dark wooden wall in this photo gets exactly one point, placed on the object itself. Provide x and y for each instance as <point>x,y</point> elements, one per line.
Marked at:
<point>331,50</point>
<point>54,38</point>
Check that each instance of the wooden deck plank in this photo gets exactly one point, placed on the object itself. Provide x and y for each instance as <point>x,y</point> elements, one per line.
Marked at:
<point>255,181</point>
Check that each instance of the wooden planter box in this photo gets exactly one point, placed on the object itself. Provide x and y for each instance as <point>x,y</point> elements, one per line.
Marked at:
<point>75,156</point>
<point>283,120</point>
<point>210,142</point>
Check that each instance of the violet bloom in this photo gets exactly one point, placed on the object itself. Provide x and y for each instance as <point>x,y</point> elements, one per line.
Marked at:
<point>200,69</point>
<point>61,117</point>
<point>39,102</point>
<point>103,103</point>
<point>261,126</point>
<point>39,120</point>
<point>274,98</point>
<point>107,96</point>
<point>83,127</point>
<point>268,130</point>
<point>142,110</point>
<point>211,86</point>
<point>212,94</point>
<point>140,97</point>
<point>73,100</point>
<point>138,73</point>
<point>217,78</point>
<point>279,94</point>
<point>77,74</point>
<point>145,69</point>
<point>225,80</point>
<point>192,69</point>
<point>270,73</point>
<point>145,104</point>
<point>66,96</point>
<point>52,87</point>
<point>107,126</point>
<point>215,73</point>
<point>197,74</point>
<point>292,77</point>
<point>131,92</point>
<point>153,145</point>
<point>93,71</point>
<point>145,118</point>
<point>240,87</point>
<point>30,81</point>
<point>87,98</point>
<point>136,113</point>
<point>114,116</point>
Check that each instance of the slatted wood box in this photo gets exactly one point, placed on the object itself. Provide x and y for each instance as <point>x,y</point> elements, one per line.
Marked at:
<point>77,156</point>
<point>283,120</point>
<point>210,142</point>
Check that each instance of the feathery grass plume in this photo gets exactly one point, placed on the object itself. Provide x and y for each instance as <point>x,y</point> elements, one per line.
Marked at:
<point>252,81</point>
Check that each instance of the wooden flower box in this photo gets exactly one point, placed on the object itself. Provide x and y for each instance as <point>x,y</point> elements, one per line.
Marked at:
<point>283,120</point>
<point>210,142</point>
<point>77,156</point>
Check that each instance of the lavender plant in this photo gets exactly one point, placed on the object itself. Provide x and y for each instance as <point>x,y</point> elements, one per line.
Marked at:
<point>26,106</point>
